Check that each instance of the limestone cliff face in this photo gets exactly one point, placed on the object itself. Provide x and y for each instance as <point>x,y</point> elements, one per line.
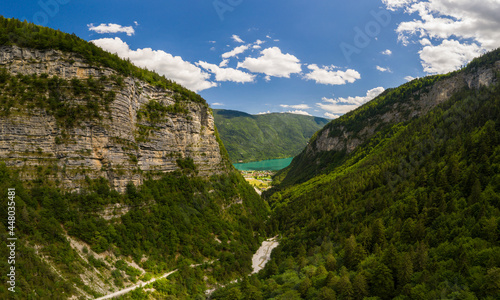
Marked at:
<point>422,103</point>
<point>112,147</point>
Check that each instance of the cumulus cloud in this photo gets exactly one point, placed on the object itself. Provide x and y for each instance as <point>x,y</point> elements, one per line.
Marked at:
<point>297,112</point>
<point>235,51</point>
<point>339,106</point>
<point>331,116</point>
<point>227,74</point>
<point>217,104</point>
<point>237,39</point>
<point>381,69</point>
<point>387,52</point>
<point>173,67</point>
<point>111,28</point>
<point>272,62</point>
<point>298,106</point>
<point>265,112</point>
<point>448,56</point>
<point>409,78</point>
<point>468,24</point>
<point>224,63</point>
<point>328,75</point>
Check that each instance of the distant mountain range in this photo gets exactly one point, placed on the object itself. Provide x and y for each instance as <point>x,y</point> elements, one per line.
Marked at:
<point>269,136</point>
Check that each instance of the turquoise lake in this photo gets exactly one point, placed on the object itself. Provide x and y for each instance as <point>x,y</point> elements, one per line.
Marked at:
<point>265,165</point>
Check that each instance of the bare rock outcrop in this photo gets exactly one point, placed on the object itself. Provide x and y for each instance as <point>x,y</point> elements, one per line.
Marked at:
<point>111,147</point>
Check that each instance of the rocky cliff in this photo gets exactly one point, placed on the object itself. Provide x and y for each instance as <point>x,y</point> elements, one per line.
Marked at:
<point>398,111</point>
<point>124,141</point>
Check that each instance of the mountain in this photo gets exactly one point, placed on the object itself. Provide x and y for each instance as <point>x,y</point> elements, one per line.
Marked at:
<point>400,199</point>
<point>268,136</point>
<point>117,174</point>
<point>333,144</point>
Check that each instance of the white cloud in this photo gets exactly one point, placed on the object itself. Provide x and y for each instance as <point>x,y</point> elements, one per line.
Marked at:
<point>448,56</point>
<point>111,28</point>
<point>259,42</point>
<point>298,106</point>
<point>387,52</point>
<point>327,75</point>
<point>383,69</point>
<point>227,74</point>
<point>235,51</point>
<point>272,62</point>
<point>395,4</point>
<point>265,113</point>
<point>237,39</point>
<point>217,104</point>
<point>297,112</point>
<point>331,116</point>
<point>256,47</point>
<point>409,78</point>
<point>212,42</point>
<point>136,23</point>
<point>471,25</point>
<point>340,106</point>
<point>224,63</point>
<point>173,67</point>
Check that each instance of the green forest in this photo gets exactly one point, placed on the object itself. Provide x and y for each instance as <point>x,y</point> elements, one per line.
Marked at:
<point>413,213</point>
<point>260,137</point>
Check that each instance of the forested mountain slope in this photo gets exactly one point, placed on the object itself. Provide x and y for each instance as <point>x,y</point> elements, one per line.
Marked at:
<point>119,175</point>
<point>269,136</point>
<point>332,145</point>
<point>411,213</point>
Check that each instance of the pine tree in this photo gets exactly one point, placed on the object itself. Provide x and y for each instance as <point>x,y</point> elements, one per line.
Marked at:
<point>359,286</point>
<point>381,283</point>
<point>378,233</point>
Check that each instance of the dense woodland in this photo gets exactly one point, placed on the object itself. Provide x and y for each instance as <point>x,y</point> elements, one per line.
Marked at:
<point>301,168</point>
<point>173,222</point>
<point>414,213</point>
<point>260,137</point>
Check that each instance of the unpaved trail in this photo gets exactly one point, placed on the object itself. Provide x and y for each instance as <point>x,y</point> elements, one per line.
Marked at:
<point>141,284</point>
<point>131,288</point>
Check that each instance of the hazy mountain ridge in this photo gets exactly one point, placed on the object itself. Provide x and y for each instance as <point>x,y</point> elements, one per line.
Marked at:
<point>268,136</point>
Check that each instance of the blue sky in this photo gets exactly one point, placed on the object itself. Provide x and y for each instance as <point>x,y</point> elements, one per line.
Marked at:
<point>315,57</point>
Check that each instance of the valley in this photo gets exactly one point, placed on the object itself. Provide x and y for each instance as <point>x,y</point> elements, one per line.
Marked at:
<point>131,186</point>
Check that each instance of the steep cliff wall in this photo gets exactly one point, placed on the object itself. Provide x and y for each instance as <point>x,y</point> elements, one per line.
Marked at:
<point>115,144</point>
<point>421,103</point>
